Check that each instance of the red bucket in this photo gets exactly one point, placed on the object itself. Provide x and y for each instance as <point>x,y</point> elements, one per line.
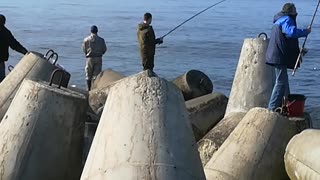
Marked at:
<point>295,105</point>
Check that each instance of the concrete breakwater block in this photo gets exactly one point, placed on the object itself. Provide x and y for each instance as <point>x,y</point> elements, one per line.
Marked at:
<point>302,155</point>
<point>89,132</point>
<point>79,90</point>
<point>253,81</point>
<point>144,133</point>
<point>212,141</point>
<point>254,150</point>
<point>97,98</point>
<point>303,122</point>
<point>31,66</point>
<point>193,83</point>
<point>106,77</point>
<point>206,111</point>
<point>41,135</point>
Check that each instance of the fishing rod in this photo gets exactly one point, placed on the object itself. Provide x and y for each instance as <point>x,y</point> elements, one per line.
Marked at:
<point>304,43</point>
<point>192,18</point>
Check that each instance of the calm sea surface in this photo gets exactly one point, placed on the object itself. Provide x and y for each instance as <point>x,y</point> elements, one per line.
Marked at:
<point>211,42</point>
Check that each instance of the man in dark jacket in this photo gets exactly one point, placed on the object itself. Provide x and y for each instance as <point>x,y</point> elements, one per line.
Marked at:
<point>283,51</point>
<point>147,42</point>
<point>7,40</point>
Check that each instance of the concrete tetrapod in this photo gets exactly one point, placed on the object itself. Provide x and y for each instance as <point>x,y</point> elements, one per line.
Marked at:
<point>194,83</point>
<point>144,133</point>
<point>41,135</point>
<point>212,141</point>
<point>106,77</point>
<point>254,150</point>
<point>97,98</point>
<point>89,132</point>
<point>206,111</point>
<point>79,90</point>
<point>31,66</point>
<point>302,156</point>
<point>253,80</point>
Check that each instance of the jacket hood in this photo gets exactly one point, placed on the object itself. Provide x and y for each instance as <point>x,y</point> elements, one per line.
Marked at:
<point>278,16</point>
<point>282,14</point>
<point>143,26</point>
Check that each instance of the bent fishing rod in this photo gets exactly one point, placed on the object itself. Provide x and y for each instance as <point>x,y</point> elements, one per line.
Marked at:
<point>192,18</point>
<point>299,60</point>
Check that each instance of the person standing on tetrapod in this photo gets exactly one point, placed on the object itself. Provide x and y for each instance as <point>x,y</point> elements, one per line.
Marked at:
<point>94,47</point>
<point>283,50</point>
<point>147,42</point>
<point>7,40</point>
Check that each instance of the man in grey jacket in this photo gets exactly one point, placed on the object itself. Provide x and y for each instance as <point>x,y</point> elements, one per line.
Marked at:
<point>94,48</point>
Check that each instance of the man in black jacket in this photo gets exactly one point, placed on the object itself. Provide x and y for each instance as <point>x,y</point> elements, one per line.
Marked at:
<point>147,42</point>
<point>7,40</point>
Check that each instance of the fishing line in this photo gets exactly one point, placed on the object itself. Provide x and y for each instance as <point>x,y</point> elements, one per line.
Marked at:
<point>194,17</point>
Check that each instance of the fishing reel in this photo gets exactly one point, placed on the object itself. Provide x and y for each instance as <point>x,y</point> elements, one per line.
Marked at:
<point>283,110</point>
<point>304,51</point>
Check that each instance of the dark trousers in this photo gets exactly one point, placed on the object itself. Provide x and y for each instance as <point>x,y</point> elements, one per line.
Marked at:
<point>2,70</point>
<point>148,63</point>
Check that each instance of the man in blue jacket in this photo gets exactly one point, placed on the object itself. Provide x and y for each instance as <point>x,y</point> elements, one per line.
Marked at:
<point>7,40</point>
<point>283,50</point>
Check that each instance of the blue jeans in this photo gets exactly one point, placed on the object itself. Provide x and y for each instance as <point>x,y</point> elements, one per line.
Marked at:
<point>280,88</point>
<point>2,70</point>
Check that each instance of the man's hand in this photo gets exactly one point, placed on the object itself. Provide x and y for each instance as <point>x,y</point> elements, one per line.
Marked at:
<point>24,51</point>
<point>159,40</point>
<point>309,30</point>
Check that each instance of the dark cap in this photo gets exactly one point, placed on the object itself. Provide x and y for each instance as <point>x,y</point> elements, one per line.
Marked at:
<point>147,16</point>
<point>289,8</point>
<point>94,29</point>
<point>2,19</point>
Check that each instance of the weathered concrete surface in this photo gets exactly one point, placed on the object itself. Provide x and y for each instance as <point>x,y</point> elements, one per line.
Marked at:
<point>302,156</point>
<point>31,66</point>
<point>254,150</point>
<point>303,122</point>
<point>97,98</point>
<point>89,132</point>
<point>193,84</point>
<point>106,77</point>
<point>79,90</point>
<point>206,111</point>
<point>253,81</point>
<point>65,78</point>
<point>41,135</point>
<point>144,133</point>
<point>212,141</point>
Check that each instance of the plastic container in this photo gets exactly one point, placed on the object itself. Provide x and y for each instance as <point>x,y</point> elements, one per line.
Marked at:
<point>295,105</point>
